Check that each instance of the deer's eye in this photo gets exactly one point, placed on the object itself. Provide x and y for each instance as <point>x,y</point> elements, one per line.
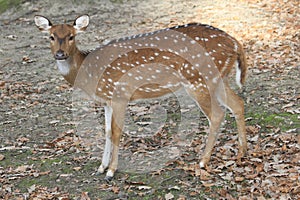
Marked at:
<point>71,38</point>
<point>51,38</point>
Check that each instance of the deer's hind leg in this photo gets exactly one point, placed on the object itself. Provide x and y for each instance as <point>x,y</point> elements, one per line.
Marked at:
<point>215,115</point>
<point>236,105</point>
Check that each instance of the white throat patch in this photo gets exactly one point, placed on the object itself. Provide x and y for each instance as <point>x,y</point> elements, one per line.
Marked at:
<point>63,66</point>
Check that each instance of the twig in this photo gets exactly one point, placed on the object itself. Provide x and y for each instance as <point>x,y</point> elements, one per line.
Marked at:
<point>14,148</point>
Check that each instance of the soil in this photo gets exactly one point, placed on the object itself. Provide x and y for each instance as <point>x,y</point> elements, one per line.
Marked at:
<point>51,144</point>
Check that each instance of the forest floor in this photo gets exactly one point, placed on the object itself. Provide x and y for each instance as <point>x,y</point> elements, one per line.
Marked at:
<point>50,147</point>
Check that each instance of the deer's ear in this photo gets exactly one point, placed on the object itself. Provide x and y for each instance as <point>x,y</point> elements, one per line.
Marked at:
<point>42,23</point>
<point>81,23</point>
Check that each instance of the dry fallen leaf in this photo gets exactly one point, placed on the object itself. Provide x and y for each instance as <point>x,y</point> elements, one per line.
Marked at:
<point>31,189</point>
<point>115,189</point>
<point>204,175</point>
<point>84,196</point>
<point>22,168</point>
<point>2,157</point>
<point>181,197</point>
<point>207,184</point>
<point>77,168</point>
<point>239,179</point>
<point>2,83</point>
<point>169,196</point>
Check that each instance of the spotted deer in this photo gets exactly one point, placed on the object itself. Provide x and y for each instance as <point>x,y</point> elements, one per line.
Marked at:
<point>194,56</point>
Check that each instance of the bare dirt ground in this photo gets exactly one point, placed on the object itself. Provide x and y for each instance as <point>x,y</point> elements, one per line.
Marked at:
<point>50,150</point>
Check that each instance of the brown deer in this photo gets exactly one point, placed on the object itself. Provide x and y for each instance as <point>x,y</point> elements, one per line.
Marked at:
<point>195,56</point>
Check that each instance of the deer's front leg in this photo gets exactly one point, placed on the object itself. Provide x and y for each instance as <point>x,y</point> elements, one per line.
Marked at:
<point>108,140</point>
<point>116,135</point>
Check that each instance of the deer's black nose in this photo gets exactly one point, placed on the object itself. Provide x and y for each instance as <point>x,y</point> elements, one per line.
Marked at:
<point>60,55</point>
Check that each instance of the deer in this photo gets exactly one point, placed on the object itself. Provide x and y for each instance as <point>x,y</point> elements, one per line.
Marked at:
<point>194,56</point>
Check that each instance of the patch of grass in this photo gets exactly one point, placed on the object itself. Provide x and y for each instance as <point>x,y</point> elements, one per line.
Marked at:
<point>6,4</point>
<point>16,158</point>
<point>28,181</point>
<point>56,165</point>
<point>285,121</point>
<point>117,1</point>
<point>267,121</point>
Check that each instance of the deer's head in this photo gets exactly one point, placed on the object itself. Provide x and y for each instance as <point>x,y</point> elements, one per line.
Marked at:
<point>62,36</point>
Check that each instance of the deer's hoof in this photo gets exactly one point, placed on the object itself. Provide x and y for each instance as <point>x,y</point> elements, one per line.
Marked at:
<point>101,169</point>
<point>109,175</point>
<point>203,162</point>
<point>242,151</point>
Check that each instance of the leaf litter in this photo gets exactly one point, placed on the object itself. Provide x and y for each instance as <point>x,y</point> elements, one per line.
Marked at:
<point>271,169</point>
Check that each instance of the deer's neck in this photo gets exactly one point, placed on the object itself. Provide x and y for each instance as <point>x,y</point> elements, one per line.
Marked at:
<point>69,67</point>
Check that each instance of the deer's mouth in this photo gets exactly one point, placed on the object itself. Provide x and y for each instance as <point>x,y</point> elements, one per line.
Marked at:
<point>61,57</point>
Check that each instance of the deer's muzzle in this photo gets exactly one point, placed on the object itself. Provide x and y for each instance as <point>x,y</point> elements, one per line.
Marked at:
<point>60,55</point>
